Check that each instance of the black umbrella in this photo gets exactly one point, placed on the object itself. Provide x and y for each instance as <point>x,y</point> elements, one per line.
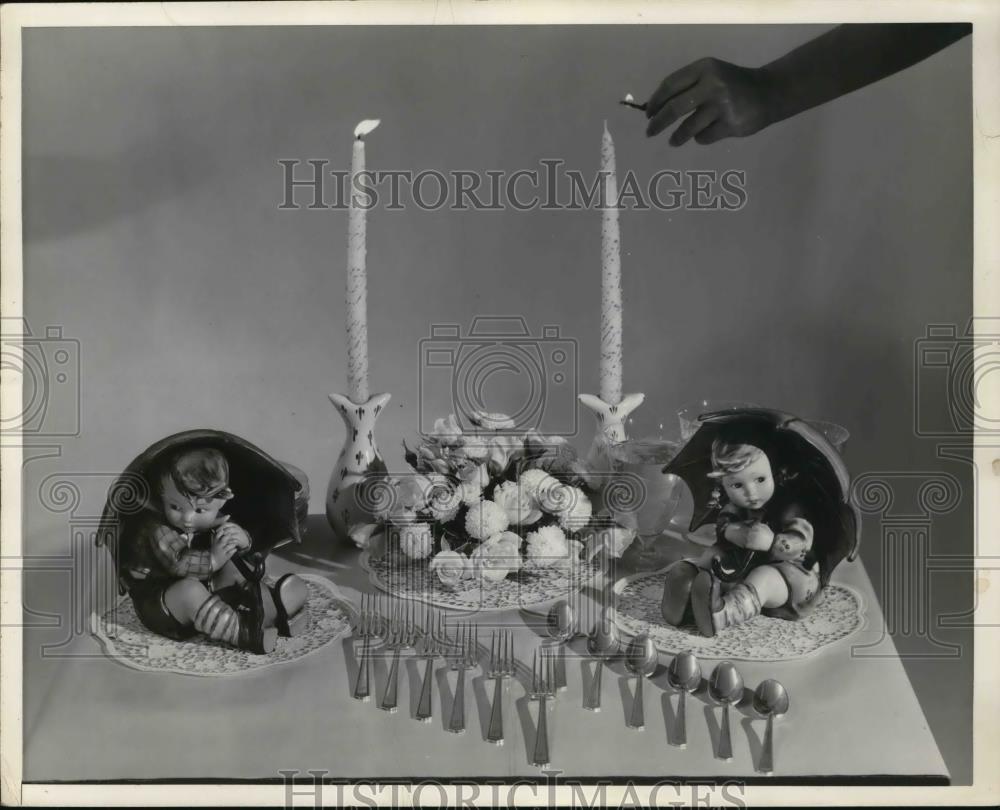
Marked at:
<point>808,466</point>
<point>265,493</point>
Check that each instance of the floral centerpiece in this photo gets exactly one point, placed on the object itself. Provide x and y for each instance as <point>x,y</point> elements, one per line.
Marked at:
<point>488,504</point>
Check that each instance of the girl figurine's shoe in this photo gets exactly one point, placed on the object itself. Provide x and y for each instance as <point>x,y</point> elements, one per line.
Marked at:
<point>714,611</point>
<point>290,594</point>
<point>677,585</point>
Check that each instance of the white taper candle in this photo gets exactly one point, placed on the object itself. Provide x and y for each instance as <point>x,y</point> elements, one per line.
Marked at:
<point>611,278</point>
<point>357,273</point>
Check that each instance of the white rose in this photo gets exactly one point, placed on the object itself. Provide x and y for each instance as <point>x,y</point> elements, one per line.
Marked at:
<point>497,557</point>
<point>451,567</point>
<point>517,503</point>
<point>475,475</point>
<point>411,491</point>
<point>447,431</point>
<point>470,493</point>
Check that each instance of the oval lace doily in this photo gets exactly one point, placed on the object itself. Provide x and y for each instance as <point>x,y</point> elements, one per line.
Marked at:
<point>125,639</point>
<point>763,638</point>
<point>527,590</point>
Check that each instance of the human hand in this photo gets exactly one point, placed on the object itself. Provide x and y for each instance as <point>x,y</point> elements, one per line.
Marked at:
<point>759,537</point>
<point>720,100</point>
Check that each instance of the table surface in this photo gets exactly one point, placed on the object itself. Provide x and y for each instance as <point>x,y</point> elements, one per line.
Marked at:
<point>852,718</point>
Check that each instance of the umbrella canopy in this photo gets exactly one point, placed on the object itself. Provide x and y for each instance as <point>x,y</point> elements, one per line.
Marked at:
<point>264,501</point>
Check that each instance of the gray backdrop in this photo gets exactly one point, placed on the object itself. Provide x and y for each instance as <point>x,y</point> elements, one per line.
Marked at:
<point>153,236</point>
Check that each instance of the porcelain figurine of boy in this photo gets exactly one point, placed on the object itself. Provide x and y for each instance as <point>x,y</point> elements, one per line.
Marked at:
<point>782,518</point>
<point>182,568</point>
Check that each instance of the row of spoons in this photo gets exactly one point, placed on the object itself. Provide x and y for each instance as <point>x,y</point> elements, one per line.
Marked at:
<point>684,675</point>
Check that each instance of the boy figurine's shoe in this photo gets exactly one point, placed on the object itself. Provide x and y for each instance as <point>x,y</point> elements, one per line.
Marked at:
<point>290,594</point>
<point>241,628</point>
<point>714,611</point>
<point>677,585</point>
<point>706,603</point>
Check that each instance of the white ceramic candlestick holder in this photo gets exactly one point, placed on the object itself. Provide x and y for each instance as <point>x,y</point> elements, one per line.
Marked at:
<point>359,456</point>
<point>611,418</point>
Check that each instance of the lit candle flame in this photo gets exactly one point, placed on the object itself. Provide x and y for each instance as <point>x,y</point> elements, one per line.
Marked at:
<point>365,127</point>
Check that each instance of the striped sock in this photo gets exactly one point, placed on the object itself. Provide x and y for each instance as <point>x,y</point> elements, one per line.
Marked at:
<point>217,620</point>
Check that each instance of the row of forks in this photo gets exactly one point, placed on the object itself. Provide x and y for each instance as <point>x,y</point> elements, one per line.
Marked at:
<point>429,638</point>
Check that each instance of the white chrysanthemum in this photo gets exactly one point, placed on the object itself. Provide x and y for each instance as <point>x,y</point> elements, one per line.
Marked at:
<point>484,519</point>
<point>416,541</point>
<point>534,481</point>
<point>547,547</point>
<point>519,506</point>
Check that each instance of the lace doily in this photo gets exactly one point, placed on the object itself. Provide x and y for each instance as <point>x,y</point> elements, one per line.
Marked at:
<point>528,590</point>
<point>836,616</point>
<point>126,640</point>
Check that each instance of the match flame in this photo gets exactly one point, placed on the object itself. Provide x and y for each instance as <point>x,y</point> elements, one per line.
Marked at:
<point>365,127</point>
<point>628,97</point>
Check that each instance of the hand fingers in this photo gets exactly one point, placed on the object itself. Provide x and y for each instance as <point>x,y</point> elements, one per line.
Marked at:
<point>677,82</point>
<point>715,131</point>
<point>676,107</point>
<point>703,117</point>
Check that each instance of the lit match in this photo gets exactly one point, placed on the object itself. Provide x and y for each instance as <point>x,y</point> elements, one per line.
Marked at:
<point>629,101</point>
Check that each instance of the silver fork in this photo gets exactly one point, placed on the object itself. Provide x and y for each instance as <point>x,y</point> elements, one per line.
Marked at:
<point>501,666</point>
<point>364,630</point>
<point>402,633</point>
<point>432,644</point>
<point>543,686</point>
<point>465,658</point>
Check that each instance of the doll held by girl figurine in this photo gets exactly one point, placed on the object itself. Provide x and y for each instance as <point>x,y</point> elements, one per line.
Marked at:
<point>777,492</point>
<point>191,569</point>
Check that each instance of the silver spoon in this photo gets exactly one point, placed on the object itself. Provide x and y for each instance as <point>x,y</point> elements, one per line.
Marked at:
<point>603,642</point>
<point>641,659</point>
<point>726,687</point>
<point>562,627</point>
<point>770,699</point>
<point>684,675</point>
